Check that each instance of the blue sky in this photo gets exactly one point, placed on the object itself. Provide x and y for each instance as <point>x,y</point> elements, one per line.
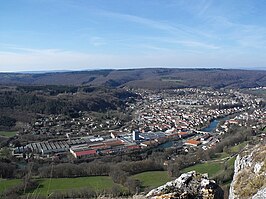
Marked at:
<point>90,34</point>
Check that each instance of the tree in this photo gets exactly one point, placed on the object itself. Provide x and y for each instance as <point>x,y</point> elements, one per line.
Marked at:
<point>7,122</point>
<point>6,153</point>
<point>118,176</point>
<point>116,190</point>
<point>173,170</point>
<point>6,170</point>
<point>133,185</point>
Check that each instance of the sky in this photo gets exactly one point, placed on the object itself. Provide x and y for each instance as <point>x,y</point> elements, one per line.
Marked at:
<point>40,35</point>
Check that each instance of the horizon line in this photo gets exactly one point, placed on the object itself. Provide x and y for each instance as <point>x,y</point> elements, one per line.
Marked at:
<point>132,68</point>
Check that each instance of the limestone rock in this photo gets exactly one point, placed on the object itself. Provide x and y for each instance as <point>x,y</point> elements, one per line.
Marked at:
<point>249,179</point>
<point>187,186</point>
<point>261,194</point>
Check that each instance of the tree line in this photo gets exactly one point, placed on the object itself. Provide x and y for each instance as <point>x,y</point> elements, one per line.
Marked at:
<point>26,102</point>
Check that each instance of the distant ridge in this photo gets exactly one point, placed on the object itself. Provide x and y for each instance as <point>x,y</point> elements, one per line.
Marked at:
<point>41,72</point>
<point>159,78</point>
<point>155,67</point>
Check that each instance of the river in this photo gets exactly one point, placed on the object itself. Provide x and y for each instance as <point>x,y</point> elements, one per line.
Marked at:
<point>214,123</point>
<point>210,128</point>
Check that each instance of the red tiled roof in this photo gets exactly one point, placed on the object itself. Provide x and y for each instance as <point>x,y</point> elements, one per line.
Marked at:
<point>133,147</point>
<point>233,121</point>
<point>98,146</point>
<point>114,143</point>
<point>194,142</point>
<point>182,133</point>
<point>87,152</point>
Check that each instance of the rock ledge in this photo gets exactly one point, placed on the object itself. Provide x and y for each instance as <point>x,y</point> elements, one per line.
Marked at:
<point>249,179</point>
<point>187,186</point>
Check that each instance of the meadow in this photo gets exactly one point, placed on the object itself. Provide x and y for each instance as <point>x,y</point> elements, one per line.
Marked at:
<point>212,168</point>
<point>8,133</point>
<point>96,183</point>
<point>152,179</point>
<point>5,184</point>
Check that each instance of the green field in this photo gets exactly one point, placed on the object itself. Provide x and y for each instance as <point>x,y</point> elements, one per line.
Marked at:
<point>231,162</point>
<point>4,184</point>
<point>97,183</point>
<point>152,179</point>
<point>232,150</point>
<point>171,79</point>
<point>48,186</point>
<point>237,148</point>
<point>221,155</point>
<point>8,133</point>
<point>212,168</point>
<point>215,166</point>
<point>259,92</point>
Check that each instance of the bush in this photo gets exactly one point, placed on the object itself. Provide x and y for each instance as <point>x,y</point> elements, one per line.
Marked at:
<point>17,190</point>
<point>6,170</point>
<point>7,122</point>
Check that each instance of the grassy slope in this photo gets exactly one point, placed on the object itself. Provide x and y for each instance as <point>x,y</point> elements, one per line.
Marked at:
<point>97,183</point>
<point>231,162</point>
<point>215,166</point>
<point>222,155</point>
<point>4,184</point>
<point>8,133</point>
<point>212,168</point>
<point>152,179</point>
<point>237,148</point>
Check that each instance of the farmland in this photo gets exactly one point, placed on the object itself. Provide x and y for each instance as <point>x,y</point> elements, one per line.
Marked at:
<point>48,186</point>
<point>152,179</point>
<point>5,184</point>
<point>8,133</point>
<point>212,168</point>
<point>215,166</point>
<point>95,183</point>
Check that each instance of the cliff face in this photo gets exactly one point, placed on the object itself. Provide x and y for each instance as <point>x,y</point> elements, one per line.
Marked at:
<point>249,179</point>
<point>187,186</point>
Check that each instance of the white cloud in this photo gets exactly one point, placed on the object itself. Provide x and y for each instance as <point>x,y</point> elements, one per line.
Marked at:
<point>49,59</point>
<point>97,41</point>
<point>174,29</point>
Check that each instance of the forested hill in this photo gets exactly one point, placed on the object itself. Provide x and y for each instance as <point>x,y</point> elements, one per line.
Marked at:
<point>144,78</point>
<point>22,103</point>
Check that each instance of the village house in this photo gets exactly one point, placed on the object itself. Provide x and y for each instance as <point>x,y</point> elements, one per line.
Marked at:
<point>192,143</point>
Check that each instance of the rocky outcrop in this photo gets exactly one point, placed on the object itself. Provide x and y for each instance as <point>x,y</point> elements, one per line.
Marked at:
<point>261,194</point>
<point>187,186</point>
<point>249,179</point>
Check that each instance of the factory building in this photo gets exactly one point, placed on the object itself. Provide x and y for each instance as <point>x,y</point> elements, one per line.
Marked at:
<point>135,135</point>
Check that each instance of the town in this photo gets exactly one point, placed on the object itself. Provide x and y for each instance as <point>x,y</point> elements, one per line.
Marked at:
<point>178,118</point>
